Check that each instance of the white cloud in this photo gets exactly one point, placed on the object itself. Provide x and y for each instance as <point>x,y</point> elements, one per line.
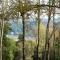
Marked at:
<point>45,1</point>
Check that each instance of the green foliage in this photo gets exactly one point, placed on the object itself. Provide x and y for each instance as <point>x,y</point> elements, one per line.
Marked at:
<point>9,45</point>
<point>9,49</point>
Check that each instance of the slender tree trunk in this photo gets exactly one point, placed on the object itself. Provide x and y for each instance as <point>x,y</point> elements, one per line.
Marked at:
<point>38,31</point>
<point>2,29</point>
<point>23,22</point>
<point>54,29</point>
<point>23,36</point>
<point>54,38</point>
<point>47,44</point>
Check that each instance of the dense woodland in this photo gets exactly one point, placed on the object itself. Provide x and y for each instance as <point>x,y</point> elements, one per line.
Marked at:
<point>29,29</point>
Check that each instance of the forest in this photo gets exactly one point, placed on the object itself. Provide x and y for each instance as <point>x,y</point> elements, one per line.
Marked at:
<point>29,29</point>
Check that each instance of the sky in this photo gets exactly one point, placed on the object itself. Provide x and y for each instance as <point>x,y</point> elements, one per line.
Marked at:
<point>17,27</point>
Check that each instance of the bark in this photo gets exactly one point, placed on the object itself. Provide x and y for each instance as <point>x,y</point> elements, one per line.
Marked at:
<point>2,31</point>
<point>23,36</point>
<point>47,44</point>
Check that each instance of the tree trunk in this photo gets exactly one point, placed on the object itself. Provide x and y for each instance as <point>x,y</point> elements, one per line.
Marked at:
<point>23,36</point>
<point>2,31</point>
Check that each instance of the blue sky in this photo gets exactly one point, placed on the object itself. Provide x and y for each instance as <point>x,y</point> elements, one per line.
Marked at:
<point>17,26</point>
